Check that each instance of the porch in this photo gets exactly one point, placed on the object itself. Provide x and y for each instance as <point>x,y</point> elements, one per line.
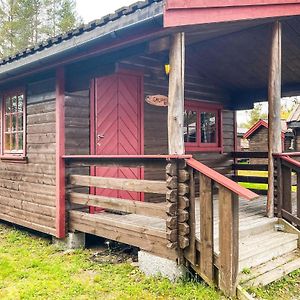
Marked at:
<point>218,236</point>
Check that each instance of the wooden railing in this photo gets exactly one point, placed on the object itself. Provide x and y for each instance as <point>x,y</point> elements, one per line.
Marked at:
<point>205,251</point>
<point>186,214</point>
<point>249,168</point>
<point>288,201</point>
<point>161,238</point>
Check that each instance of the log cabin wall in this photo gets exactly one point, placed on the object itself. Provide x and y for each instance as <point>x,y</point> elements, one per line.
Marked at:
<point>27,190</point>
<point>77,123</point>
<point>155,118</point>
<point>258,143</point>
<point>77,131</point>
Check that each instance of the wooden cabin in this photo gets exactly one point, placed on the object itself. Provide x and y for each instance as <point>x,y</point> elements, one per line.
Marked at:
<point>80,144</point>
<point>257,136</point>
<point>242,143</point>
<point>293,122</point>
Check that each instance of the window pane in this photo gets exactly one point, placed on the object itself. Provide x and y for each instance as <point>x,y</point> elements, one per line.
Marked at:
<point>13,122</point>
<point>20,122</point>
<point>13,141</point>
<point>7,105</point>
<point>7,142</point>
<point>20,102</point>
<point>208,127</point>
<point>20,141</point>
<point>14,103</point>
<point>190,125</point>
<point>7,123</point>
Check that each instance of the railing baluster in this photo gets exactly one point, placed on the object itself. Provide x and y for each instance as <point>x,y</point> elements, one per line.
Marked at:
<point>228,240</point>
<point>298,195</point>
<point>279,188</point>
<point>287,188</point>
<point>206,228</point>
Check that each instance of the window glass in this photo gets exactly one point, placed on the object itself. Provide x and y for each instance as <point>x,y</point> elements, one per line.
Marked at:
<point>7,142</point>
<point>20,121</point>
<point>13,124</point>
<point>7,104</point>
<point>190,126</point>
<point>20,141</point>
<point>20,103</point>
<point>208,127</point>
<point>14,104</point>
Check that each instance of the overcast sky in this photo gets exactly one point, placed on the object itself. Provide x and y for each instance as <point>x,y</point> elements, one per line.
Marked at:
<point>90,10</point>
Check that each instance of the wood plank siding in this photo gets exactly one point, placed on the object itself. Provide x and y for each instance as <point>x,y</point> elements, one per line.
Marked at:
<point>27,190</point>
<point>155,118</point>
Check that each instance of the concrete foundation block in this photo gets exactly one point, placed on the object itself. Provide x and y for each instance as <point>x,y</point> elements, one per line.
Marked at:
<point>73,240</point>
<point>153,265</point>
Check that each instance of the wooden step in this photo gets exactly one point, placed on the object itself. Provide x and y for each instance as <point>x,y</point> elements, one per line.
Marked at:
<point>272,270</point>
<point>264,247</point>
<point>257,227</point>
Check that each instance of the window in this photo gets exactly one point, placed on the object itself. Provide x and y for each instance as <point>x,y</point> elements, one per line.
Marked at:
<point>13,124</point>
<point>202,124</point>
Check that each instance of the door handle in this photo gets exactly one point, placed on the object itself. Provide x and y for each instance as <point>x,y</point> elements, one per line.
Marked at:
<point>99,137</point>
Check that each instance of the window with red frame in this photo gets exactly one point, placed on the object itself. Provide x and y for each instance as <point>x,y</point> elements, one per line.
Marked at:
<point>13,116</point>
<point>202,130</point>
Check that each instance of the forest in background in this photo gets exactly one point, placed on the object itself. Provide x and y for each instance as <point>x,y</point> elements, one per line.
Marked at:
<point>24,23</point>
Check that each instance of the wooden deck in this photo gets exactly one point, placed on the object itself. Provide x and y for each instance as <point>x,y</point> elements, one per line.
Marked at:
<point>259,240</point>
<point>209,234</point>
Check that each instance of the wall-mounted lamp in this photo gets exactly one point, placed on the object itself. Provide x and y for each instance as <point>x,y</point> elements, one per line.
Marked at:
<point>167,68</point>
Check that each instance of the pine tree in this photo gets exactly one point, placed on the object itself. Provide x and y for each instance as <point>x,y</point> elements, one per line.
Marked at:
<point>61,16</point>
<point>24,23</point>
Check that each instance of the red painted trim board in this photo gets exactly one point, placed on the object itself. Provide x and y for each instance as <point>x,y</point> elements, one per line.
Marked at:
<point>256,126</point>
<point>207,15</point>
<point>221,179</point>
<point>60,220</point>
<point>178,4</point>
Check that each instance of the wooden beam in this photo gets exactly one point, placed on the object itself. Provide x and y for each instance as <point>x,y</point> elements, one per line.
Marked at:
<point>274,119</point>
<point>176,95</point>
<point>123,184</point>
<point>60,221</point>
<point>128,206</point>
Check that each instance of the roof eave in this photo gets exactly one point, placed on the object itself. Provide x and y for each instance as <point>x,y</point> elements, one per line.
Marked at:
<point>150,16</point>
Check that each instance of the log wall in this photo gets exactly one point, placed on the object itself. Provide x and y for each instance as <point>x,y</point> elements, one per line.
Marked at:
<point>27,190</point>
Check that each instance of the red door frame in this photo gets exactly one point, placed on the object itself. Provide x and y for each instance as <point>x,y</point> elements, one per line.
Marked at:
<point>93,119</point>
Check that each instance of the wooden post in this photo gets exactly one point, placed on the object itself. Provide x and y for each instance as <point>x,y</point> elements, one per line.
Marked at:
<point>274,120</point>
<point>171,201</point>
<point>60,151</point>
<point>176,95</point>
<point>229,241</point>
<point>206,229</point>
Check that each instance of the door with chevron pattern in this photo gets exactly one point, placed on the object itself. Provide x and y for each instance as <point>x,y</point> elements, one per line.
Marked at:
<point>118,127</point>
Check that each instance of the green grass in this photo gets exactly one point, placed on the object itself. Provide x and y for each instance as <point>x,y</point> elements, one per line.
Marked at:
<point>286,289</point>
<point>32,268</point>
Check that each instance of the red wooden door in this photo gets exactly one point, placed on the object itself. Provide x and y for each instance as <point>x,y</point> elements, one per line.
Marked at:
<point>118,126</point>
